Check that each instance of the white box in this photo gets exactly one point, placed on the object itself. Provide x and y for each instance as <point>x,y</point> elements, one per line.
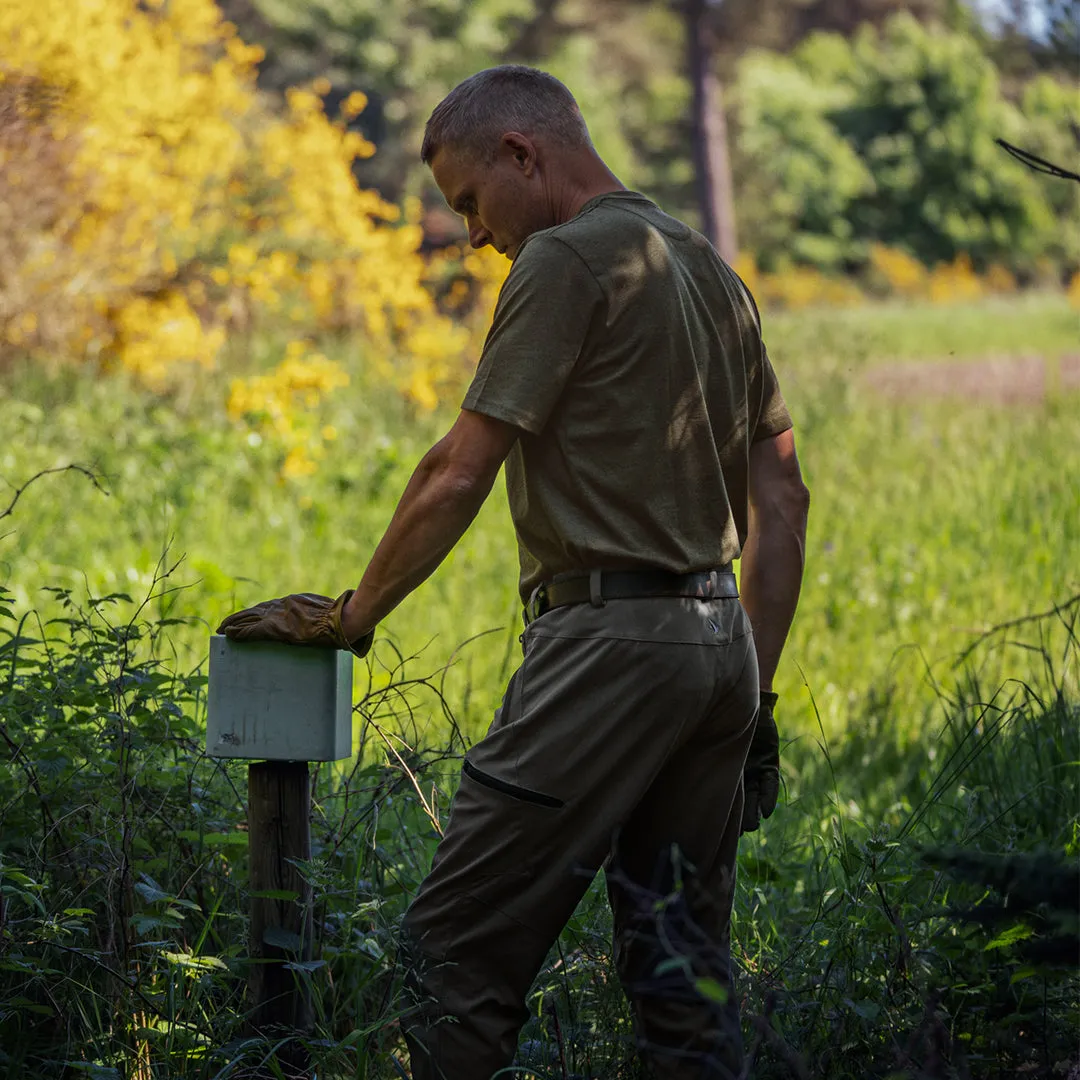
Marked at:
<point>272,702</point>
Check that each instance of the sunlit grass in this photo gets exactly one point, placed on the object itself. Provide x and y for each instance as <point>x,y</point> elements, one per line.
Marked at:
<point>929,521</point>
<point>932,522</point>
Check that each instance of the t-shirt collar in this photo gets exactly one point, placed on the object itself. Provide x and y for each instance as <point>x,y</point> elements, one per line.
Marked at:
<point>621,195</point>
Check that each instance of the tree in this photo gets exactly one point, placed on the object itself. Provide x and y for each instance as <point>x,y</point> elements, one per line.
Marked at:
<point>1049,125</point>
<point>890,139</point>
<point>796,173</point>
<point>712,163</point>
<point>781,25</point>
<point>403,54</point>
<point>1062,37</point>
<point>926,108</point>
<point>883,133</point>
<point>1026,37</point>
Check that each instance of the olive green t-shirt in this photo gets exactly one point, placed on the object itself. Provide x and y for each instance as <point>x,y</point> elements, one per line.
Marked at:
<point>630,356</point>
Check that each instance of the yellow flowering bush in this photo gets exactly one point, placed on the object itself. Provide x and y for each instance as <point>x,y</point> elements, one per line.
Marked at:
<point>487,270</point>
<point>954,282</point>
<point>121,123</point>
<point>1074,290</point>
<point>745,265</point>
<point>999,279</point>
<point>803,286</point>
<point>889,272</point>
<point>151,334</point>
<point>899,273</point>
<point>796,286</point>
<point>281,405</point>
<point>151,203</point>
<point>466,285</point>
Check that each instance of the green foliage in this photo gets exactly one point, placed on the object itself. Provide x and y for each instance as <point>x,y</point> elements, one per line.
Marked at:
<point>405,56</point>
<point>927,109</point>
<point>122,851</point>
<point>1063,32</point>
<point>878,975</point>
<point>639,56</point>
<point>99,804</point>
<point>123,856</point>
<point>890,138</point>
<point>122,899</point>
<point>1050,121</point>
<point>1038,909</point>
<point>803,174</point>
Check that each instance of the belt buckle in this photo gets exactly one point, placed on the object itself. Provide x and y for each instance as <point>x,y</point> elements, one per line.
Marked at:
<point>537,604</point>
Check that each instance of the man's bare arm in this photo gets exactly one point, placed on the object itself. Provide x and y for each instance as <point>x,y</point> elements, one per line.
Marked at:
<point>772,560</point>
<point>439,503</point>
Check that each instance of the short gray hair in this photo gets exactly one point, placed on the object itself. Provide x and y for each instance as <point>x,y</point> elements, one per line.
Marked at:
<point>475,115</point>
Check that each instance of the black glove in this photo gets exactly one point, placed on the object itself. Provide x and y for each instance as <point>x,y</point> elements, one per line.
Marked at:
<point>299,619</point>
<point>761,773</point>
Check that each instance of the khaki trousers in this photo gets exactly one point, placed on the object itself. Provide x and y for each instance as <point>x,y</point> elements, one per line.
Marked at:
<point>620,741</point>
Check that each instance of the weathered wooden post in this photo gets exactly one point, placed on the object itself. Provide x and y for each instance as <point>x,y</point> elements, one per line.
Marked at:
<point>281,706</point>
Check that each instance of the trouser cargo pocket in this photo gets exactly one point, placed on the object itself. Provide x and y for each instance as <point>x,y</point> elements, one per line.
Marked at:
<point>514,791</point>
<point>622,734</point>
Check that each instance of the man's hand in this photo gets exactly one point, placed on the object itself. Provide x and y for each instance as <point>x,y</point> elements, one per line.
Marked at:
<point>761,773</point>
<point>299,619</point>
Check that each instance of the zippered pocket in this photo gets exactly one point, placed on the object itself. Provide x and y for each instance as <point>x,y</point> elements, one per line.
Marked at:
<point>512,790</point>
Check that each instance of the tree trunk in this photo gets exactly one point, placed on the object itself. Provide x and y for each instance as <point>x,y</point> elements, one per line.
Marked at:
<point>536,34</point>
<point>712,166</point>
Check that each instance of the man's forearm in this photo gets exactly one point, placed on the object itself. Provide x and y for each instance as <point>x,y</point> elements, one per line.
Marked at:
<point>770,578</point>
<point>434,511</point>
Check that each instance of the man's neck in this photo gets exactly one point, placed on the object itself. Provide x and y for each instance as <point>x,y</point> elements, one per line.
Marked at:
<point>585,180</point>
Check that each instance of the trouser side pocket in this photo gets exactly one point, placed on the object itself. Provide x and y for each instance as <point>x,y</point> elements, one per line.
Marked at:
<point>512,790</point>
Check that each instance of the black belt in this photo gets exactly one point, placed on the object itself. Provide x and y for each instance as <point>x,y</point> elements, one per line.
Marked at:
<point>599,586</point>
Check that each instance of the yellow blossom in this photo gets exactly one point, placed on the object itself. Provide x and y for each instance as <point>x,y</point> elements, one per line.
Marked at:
<point>354,104</point>
<point>297,464</point>
<point>146,253</point>
<point>902,274</point>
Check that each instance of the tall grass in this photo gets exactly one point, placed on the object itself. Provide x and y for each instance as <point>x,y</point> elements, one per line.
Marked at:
<point>866,945</point>
<point>930,521</point>
<point>929,701</point>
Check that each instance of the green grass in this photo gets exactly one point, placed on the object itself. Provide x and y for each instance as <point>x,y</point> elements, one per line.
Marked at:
<point>843,340</point>
<point>875,939</point>
<point>931,523</point>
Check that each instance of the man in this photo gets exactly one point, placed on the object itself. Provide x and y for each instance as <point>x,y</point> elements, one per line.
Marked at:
<point>625,385</point>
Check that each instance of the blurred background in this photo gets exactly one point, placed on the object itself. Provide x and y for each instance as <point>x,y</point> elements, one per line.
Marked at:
<point>229,287</point>
<point>797,134</point>
<point>171,166</point>
<point>234,313</point>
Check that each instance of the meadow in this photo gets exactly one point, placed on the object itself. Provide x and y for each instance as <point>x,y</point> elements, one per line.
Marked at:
<point>929,701</point>
<point>932,519</point>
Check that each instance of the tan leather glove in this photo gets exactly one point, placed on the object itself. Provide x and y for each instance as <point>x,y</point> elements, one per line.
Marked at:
<point>761,773</point>
<point>299,619</point>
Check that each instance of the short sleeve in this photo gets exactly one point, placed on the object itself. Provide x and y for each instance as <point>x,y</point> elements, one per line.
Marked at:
<point>542,320</point>
<point>773,418</point>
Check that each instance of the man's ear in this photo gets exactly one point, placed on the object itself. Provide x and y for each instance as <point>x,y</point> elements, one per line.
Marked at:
<point>522,149</point>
